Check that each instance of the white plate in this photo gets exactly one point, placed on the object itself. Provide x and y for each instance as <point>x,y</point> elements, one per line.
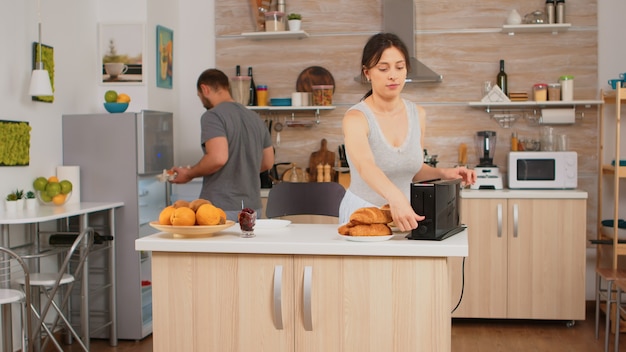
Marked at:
<point>366,238</point>
<point>191,231</point>
<point>271,223</point>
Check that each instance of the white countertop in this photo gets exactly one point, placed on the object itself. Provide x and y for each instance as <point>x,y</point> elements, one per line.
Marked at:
<point>49,212</point>
<point>524,193</point>
<point>309,239</point>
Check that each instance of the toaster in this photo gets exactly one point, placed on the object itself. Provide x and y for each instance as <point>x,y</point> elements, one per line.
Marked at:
<point>439,202</point>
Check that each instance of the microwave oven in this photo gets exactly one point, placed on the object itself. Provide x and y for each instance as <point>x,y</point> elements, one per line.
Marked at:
<point>543,170</point>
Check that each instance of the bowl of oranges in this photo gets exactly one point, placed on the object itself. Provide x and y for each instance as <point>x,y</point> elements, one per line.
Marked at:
<point>114,102</point>
<point>52,191</point>
<point>191,219</point>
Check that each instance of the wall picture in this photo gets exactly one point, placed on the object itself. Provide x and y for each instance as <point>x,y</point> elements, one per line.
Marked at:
<point>47,57</point>
<point>164,56</point>
<point>121,53</point>
<point>14,143</point>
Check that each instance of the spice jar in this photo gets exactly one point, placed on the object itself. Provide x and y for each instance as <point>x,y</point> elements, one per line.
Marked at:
<point>567,87</point>
<point>540,92</point>
<point>554,91</point>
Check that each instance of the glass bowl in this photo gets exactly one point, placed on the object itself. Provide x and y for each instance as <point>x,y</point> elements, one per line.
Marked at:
<point>116,107</point>
<point>58,201</point>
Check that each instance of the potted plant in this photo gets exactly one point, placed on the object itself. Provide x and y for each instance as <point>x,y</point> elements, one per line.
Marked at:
<point>295,21</point>
<point>11,201</point>
<point>31,201</point>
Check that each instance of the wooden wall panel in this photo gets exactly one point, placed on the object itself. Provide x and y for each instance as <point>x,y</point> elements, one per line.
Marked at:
<point>460,39</point>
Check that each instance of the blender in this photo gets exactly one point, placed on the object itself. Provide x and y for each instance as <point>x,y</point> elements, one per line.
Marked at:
<point>487,174</point>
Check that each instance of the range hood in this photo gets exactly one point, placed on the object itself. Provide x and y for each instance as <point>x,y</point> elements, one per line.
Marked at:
<point>399,18</point>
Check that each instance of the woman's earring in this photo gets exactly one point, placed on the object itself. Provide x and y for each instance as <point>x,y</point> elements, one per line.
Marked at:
<point>368,79</point>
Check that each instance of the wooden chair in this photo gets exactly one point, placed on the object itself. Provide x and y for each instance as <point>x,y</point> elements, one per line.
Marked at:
<point>9,296</point>
<point>288,199</point>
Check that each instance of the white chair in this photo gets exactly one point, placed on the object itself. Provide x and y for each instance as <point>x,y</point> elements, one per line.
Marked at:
<point>62,281</point>
<point>9,296</point>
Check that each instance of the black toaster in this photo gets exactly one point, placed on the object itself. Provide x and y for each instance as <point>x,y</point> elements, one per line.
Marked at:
<point>439,202</point>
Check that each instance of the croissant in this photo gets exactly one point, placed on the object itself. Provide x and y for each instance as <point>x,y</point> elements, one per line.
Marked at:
<point>370,230</point>
<point>371,215</point>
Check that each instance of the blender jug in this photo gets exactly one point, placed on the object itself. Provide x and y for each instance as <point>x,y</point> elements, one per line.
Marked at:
<point>485,146</point>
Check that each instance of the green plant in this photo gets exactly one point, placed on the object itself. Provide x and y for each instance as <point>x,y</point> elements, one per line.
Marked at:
<point>294,16</point>
<point>30,195</point>
<point>15,195</point>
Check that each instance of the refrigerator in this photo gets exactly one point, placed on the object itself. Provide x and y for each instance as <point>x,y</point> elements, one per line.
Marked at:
<point>119,156</point>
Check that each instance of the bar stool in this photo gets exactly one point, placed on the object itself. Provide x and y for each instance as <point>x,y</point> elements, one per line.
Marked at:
<point>9,296</point>
<point>62,281</point>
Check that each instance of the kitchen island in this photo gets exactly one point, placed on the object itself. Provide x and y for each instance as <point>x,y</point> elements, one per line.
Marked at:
<point>300,288</point>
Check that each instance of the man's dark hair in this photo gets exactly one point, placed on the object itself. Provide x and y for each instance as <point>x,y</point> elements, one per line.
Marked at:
<point>213,78</point>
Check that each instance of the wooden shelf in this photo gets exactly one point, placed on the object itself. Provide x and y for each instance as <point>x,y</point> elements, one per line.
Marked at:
<point>535,28</point>
<point>610,170</point>
<point>609,97</point>
<point>275,35</point>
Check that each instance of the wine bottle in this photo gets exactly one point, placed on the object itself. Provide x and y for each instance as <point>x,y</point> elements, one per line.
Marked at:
<point>501,79</point>
<point>253,98</point>
<point>238,70</point>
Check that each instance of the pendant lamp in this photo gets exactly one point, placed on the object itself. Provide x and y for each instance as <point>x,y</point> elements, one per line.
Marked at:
<point>40,79</point>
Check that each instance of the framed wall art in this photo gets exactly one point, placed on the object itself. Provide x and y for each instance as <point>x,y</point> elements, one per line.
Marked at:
<point>14,143</point>
<point>164,56</point>
<point>121,48</point>
<point>47,57</point>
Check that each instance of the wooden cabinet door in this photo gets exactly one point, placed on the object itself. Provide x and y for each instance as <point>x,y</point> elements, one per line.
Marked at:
<point>221,302</point>
<point>485,292</point>
<point>546,278</point>
<point>351,303</point>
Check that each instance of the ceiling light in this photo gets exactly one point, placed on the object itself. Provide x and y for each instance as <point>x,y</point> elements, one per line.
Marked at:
<point>40,79</point>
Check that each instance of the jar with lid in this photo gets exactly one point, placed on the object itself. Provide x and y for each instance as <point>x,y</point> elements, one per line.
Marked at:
<point>550,12</point>
<point>554,91</point>
<point>274,21</point>
<point>261,95</point>
<point>540,92</point>
<point>560,11</point>
<point>567,87</point>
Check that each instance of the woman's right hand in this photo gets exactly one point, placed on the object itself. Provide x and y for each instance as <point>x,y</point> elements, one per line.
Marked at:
<point>404,217</point>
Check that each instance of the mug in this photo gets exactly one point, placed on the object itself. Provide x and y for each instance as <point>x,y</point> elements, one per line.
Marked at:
<point>622,75</point>
<point>614,82</point>
<point>115,69</point>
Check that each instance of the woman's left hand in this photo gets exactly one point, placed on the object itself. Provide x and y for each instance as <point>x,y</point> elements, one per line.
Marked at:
<point>468,176</point>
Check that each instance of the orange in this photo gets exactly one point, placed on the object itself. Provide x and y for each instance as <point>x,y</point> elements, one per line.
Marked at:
<point>195,204</point>
<point>181,203</point>
<point>53,179</point>
<point>123,98</point>
<point>165,215</point>
<point>183,217</point>
<point>208,214</point>
<point>59,199</point>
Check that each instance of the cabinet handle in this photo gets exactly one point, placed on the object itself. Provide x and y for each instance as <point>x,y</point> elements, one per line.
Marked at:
<point>278,303</point>
<point>515,219</point>
<point>499,211</point>
<point>306,298</point>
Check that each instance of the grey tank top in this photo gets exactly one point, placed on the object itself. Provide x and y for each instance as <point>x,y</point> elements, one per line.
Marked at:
<point>399,164</point>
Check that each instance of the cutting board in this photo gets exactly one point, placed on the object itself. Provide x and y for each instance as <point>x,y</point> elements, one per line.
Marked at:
<point>322,156</point>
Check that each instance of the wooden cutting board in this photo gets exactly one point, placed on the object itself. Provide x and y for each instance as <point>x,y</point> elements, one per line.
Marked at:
<point>322,156</point>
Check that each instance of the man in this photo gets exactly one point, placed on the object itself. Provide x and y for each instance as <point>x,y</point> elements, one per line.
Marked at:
<point>237,147</point>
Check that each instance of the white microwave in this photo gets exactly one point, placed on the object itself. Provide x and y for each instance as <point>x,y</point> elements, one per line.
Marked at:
<point>543,170</point>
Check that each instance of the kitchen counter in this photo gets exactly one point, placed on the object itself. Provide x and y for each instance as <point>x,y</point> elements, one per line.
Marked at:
<point>300,288</point>
<point>314,239</point>
<point>524,193</point>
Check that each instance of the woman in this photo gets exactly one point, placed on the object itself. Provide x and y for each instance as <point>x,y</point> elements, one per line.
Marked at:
<point>384,138</point>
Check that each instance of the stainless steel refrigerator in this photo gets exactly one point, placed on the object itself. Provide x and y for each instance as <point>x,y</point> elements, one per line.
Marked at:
<point>119,156</point>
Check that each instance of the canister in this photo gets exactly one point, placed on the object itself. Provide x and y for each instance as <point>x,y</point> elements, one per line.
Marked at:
<point>274,21</point>
<point>554,91</point>
<point>540,92</point>
<point>567,87</point>
<point>323,95</point>
<point>261,95</point>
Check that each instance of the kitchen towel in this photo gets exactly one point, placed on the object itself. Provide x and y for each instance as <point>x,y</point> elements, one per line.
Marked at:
<point>72,174</point>
<point>557,116</point>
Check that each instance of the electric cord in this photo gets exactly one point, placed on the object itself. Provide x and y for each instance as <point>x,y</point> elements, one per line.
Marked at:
<point>462,286</point>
